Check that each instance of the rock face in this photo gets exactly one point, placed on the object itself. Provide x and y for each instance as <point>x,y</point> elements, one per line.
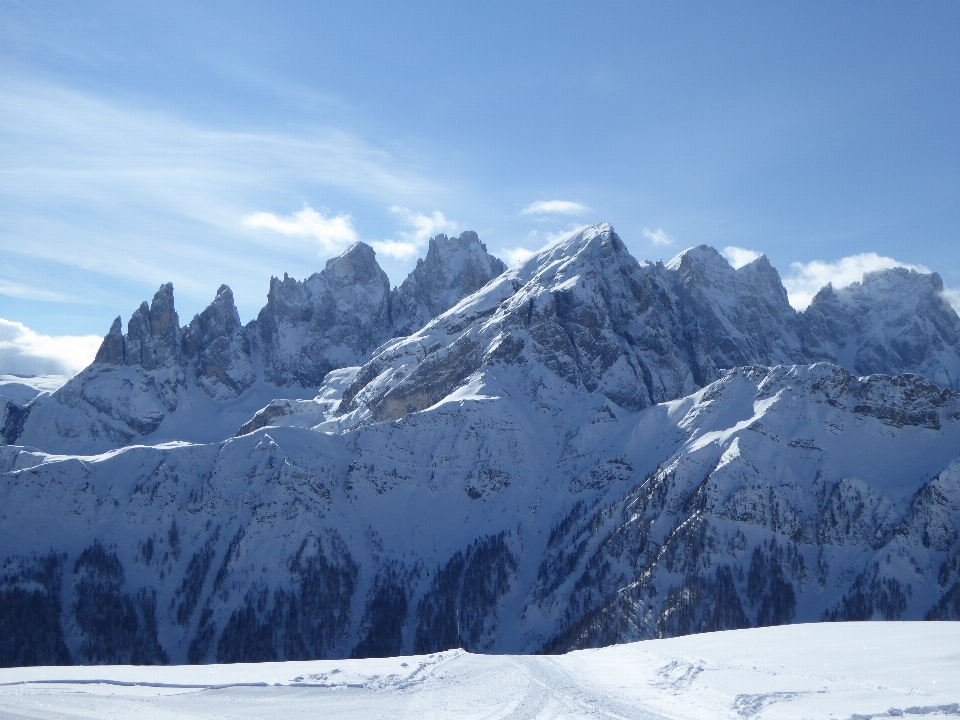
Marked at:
<point>740,317</point>
<point>158,379</point>
<point>333,319</point>
<point>141,378</point>
<point>216,345</point>
<point>642,333</point>
<point>453,269</point>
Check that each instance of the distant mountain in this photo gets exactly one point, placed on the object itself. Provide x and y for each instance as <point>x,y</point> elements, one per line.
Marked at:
<point>585,450</point>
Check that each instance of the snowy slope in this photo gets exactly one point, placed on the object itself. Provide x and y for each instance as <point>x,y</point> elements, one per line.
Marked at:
<point>18,391</point>
<point>839,670</point>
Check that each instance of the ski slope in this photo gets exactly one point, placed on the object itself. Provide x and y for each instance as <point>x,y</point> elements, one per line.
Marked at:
<point>824,670</point>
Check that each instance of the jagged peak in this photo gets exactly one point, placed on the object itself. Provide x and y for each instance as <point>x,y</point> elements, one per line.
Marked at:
<point>761,263</point>
<point>440,243</point>
<point>219,317</point>
<point>357,262</point>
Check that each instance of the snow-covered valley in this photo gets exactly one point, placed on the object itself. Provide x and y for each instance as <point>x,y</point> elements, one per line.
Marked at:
<point>825,670</point>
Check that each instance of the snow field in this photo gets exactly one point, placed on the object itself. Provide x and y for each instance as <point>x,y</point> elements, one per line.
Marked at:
<point>823,670</point>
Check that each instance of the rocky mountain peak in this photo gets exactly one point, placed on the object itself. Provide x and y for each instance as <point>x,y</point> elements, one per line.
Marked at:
<point>215,341</point>
<point>153,333</point>
<point>111,349</point>
<point>701,261</point>
<point>219,319</point>
<point>333,319</point>
<point>454,268</point>
<point>764,278</point>
<point>739,317</point>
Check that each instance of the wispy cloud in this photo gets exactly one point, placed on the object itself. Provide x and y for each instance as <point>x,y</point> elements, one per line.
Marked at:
<point>657,237</point>
<point>515,255</point>
<point>806,279</point>
<point>738,256</point>
<point>24,352</point>
<point>105,186</point>
<point>333,233</point>
<point>28,292</point>
<point>399,249</point>
<point>554,207</point>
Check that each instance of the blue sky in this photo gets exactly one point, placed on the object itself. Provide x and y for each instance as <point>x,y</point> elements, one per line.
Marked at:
<point>147,142</point>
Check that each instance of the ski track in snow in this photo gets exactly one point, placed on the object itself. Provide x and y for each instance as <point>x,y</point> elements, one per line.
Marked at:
<point>827,670</point>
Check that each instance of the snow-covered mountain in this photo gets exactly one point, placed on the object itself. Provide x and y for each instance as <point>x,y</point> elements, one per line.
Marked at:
<point>895,321</point>
<point>561,459</point>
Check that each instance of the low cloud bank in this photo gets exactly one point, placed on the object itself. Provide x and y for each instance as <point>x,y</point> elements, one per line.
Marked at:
<point>24,352</point>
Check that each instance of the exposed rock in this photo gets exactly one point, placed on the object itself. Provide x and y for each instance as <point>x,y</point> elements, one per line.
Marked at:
<point>334,318</point>
<point>216,344</point>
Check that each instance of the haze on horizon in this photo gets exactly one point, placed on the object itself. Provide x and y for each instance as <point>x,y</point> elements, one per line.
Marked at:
<point>228,143</point>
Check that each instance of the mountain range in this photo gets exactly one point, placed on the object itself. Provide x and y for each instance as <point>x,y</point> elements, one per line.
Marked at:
<point>580,450</point>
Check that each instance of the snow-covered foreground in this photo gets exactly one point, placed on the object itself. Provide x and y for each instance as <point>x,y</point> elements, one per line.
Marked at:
<point>827,670</point>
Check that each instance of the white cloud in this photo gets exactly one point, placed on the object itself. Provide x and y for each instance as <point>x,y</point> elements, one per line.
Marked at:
<point>657,237</point>
<point>24,352</point>
<point>806,279</point>
<point>515,255</point>
<point>333,233</point>
<point>738,256</point>
<point>953,297</point>
<point>554,207</point>
<point>399,249</point>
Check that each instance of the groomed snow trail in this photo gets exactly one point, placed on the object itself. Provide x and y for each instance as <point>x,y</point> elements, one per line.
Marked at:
<point>828,670</point>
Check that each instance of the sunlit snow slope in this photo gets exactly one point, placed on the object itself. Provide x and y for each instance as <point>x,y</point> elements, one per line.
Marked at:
<point>829,670</point>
